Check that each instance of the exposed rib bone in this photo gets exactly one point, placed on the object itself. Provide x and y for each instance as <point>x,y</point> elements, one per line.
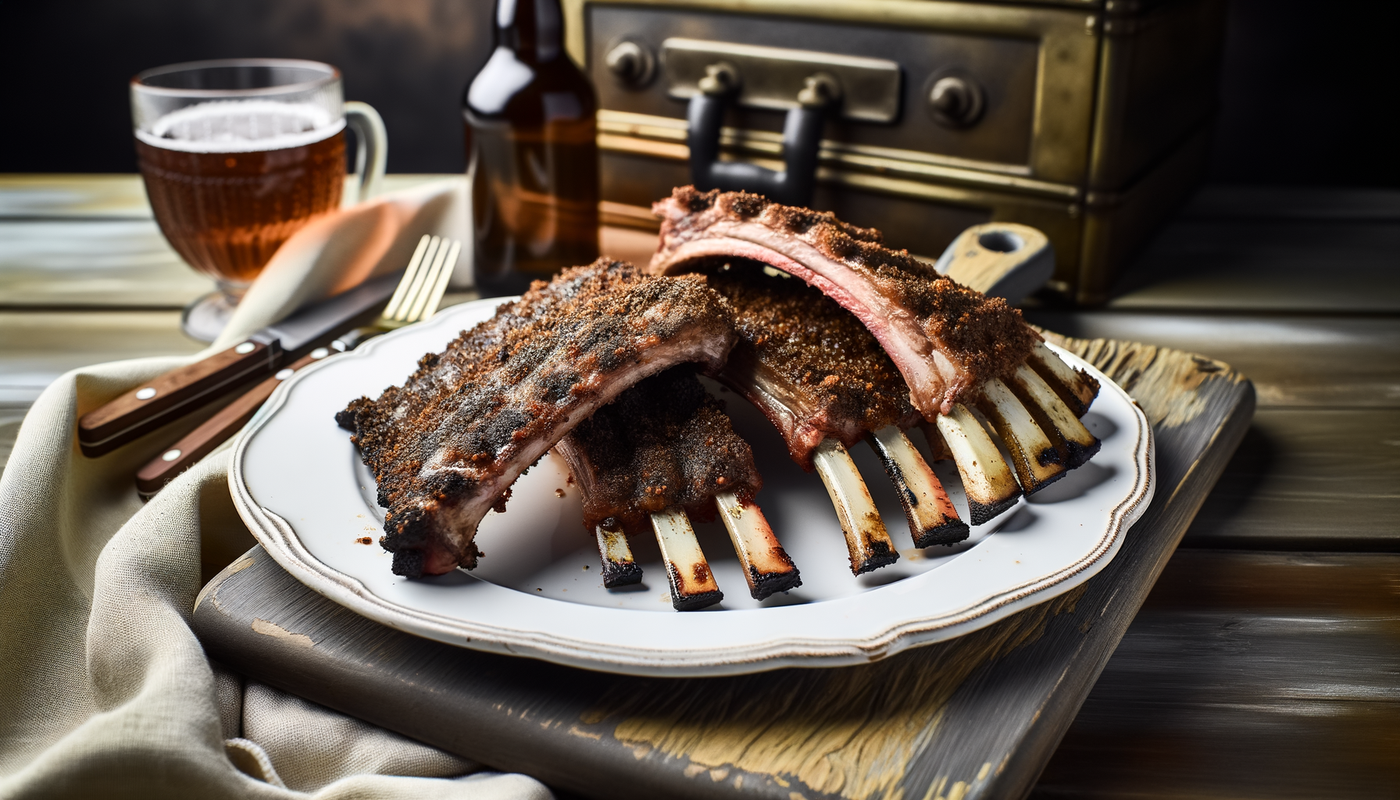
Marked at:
<point>1038,464</point>
<point>988,482</point>
<point>619,568</point>
<point>866,538</point>
<point>932,518</point>
<point>1075,386</point>
<point>1054,417</point>
<point>692,583</point>
<point>937,447</point>
<point>766,564</point>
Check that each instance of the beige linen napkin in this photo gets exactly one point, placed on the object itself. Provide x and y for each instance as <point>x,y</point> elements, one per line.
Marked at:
<point>104,690</point>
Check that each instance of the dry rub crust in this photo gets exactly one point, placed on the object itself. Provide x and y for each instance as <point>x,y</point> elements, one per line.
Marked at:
<point>446,445</point>
<point>800,348</point>
<point>983,337</point>
<point>663,443</point>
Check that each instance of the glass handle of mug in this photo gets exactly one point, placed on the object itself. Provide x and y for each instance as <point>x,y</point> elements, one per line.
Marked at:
<point>371,146</point>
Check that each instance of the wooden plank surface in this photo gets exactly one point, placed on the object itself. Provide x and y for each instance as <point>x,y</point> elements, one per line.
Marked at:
<point>1308,479</point>
<point>93,263</point>
<point>974,717</point>
<point>1283,681</point>
<point>1316,361</point>
<point>1259,249</point>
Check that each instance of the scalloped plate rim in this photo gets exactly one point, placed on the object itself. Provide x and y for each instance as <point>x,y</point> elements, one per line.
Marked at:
<point>281,541</point>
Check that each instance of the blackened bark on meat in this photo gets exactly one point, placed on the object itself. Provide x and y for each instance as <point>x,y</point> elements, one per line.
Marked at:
<point>446,445</point>
<point>807,363</point>
<point>664,443</point>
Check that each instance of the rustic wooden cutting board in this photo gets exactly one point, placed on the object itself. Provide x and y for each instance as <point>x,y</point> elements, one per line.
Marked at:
<point>978,716</point>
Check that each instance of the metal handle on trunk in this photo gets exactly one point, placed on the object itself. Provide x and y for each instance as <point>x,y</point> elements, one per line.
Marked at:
<point>802,133</point>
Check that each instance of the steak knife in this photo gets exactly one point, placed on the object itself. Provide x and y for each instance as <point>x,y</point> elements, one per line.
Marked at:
<point>183,390</point>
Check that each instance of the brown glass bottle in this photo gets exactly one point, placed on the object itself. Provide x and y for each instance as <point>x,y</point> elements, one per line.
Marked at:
<point>531,152</point>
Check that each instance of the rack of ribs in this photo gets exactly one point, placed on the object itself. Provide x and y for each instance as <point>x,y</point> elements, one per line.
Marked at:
<point>825,384</point>
<point>662,452</point>
<point>446,446</point>
<point>965,358</point>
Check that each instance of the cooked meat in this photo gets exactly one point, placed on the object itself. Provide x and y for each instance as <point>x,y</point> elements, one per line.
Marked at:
<point>661,444</point>
<point>809,365</point>
<point>446,446</point>
<point>818,374</point>
<point>946,340</point>
<point>954,347</point>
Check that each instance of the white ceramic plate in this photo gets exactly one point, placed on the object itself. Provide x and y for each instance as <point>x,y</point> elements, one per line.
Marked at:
<point>301,488</point>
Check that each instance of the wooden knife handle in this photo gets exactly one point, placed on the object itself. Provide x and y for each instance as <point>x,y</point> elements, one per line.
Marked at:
<point>201,441</point>
<point>173,395</point>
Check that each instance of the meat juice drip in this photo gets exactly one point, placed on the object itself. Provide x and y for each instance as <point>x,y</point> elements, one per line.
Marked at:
<point>230,182</point>
<point>531,152</point>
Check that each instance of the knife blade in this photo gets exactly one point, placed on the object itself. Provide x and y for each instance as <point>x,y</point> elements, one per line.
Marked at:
<point>183,390</point>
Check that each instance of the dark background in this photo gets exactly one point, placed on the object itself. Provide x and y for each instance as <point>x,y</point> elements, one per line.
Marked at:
<point>1305,90</point>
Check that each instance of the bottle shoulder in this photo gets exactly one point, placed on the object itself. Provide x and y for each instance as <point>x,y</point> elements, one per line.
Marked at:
<point>512,88</point>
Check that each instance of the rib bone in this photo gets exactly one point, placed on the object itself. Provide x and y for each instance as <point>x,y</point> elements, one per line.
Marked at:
<point>932,518</point>
<point>866,538</point>
<point>1075,386</point>
<point>766,564</point>
<point>619,568</point>
<point>988,482</point>
<point>1038,464</point>
<point>692,583</point>
<point>1054,417</point>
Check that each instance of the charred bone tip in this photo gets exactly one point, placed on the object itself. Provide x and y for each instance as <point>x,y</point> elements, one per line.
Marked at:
<point>931,515</point>
<point>692,582</point>
<point>1033,455</point>
<point>1054,416</point>
<point>619,567</point>
<point>867,541</point>
<point>987,480</point>
<point>767,566</point>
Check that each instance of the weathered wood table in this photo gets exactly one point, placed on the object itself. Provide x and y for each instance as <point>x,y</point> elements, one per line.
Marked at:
<point>1264,663</point>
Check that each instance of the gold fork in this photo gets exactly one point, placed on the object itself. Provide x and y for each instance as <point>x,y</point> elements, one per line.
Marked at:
<point>418,293</point>
<point>416,298</point>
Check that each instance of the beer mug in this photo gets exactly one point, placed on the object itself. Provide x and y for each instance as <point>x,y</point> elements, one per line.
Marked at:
<point>237,155</point>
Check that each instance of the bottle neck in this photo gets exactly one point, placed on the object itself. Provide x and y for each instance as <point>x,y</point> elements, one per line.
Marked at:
<point>532,29</point>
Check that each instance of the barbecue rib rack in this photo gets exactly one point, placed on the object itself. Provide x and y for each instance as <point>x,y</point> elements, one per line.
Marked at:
<point>879,344</point>
<point>826,381</point>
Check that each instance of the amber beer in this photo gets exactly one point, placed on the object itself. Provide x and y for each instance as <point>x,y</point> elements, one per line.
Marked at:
<point>230,181</point>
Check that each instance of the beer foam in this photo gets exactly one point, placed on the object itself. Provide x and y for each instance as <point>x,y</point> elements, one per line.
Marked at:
<point>241,126</point>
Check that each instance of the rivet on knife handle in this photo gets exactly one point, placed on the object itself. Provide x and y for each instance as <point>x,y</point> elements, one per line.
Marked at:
<point>201,441</point>
<point>152,404</point>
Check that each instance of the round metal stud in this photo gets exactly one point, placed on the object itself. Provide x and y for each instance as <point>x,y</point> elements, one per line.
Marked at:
<point>820,90</point>
<point>955,101</point>
<point>632,63</point>
<point>721,78</point>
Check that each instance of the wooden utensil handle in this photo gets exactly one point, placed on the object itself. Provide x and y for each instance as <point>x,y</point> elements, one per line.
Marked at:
<point>201,441</point>
<point>173,394</point>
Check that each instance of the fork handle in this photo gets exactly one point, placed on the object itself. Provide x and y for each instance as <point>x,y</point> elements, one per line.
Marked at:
<point>201,441</point>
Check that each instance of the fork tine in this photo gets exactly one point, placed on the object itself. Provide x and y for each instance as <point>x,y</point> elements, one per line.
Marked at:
<point>414,308</point>
<point>419,278</point>
<point>407,279</point>
<point>435,295</point>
